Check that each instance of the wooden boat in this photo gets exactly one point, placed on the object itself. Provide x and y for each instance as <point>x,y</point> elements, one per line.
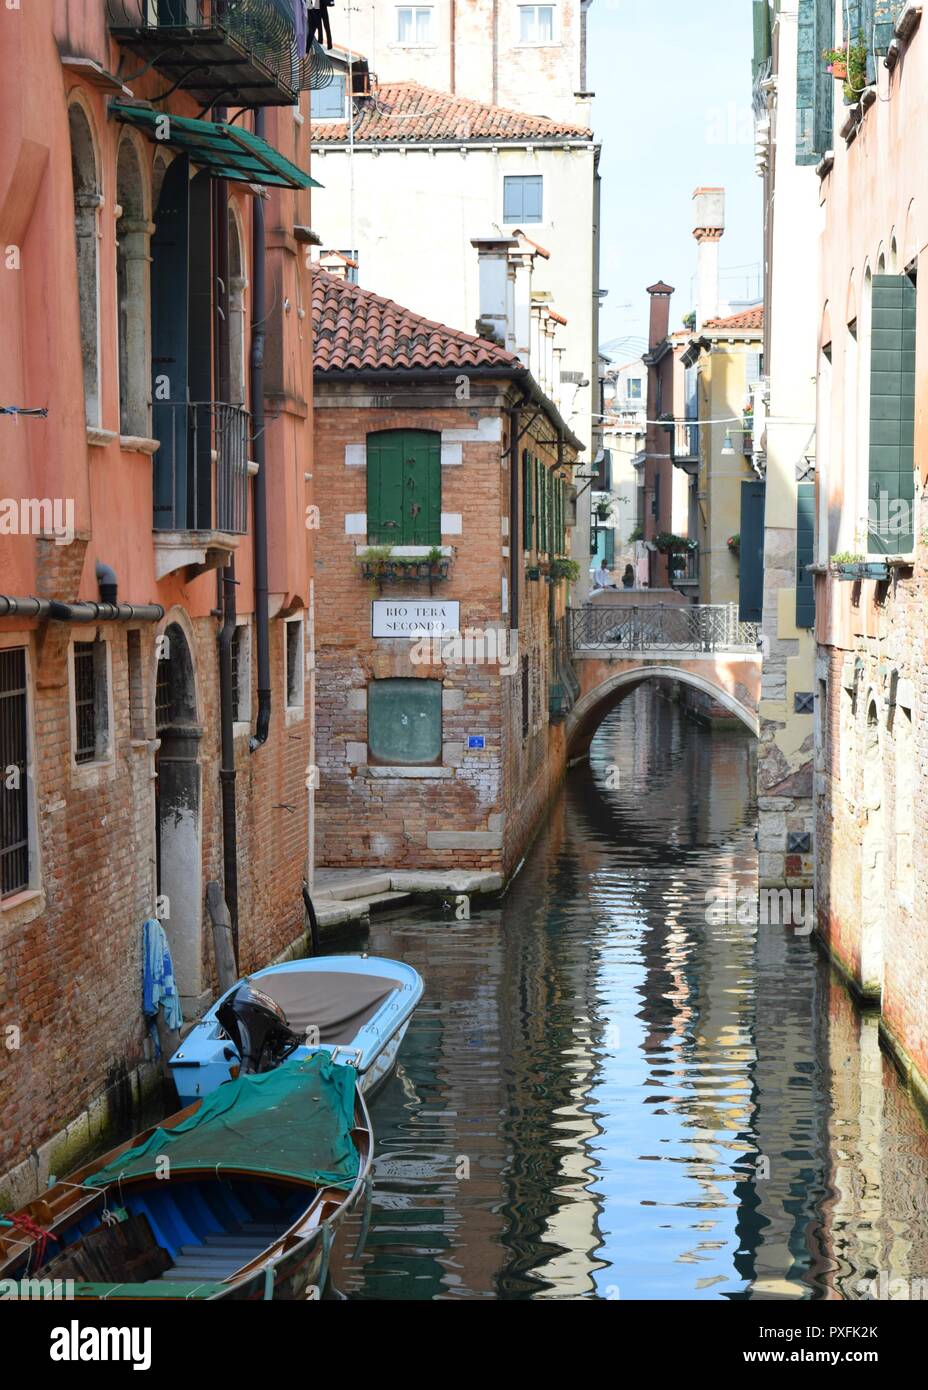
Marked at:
<point>355,1007</point>
<point>237,1196</point>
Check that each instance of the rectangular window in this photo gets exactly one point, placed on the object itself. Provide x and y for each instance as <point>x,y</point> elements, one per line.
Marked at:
<point>522,200</point>
<point>633,388</point>
<point>91,703</point>
<point>414,25</point>
<point>241,673</point>
<point>404,487</point>
<point>404,722</point>
<point>14,783</point>
<point>536,23</point>
<point>891,491</point>
<point>805,545</point>
<point>328,103</point>
<point>293,629</point>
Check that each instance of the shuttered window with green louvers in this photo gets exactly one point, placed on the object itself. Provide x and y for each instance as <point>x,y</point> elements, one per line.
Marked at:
<point>805,541</point>
<point>404,487</point>
<point>528,519</point>
<point>885,15</point>
<point>815,87</point>
<point>751,565</point>
<point>891,491</point>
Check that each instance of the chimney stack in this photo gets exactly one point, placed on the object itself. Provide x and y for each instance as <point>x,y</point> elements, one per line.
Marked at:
<point>708,230</point>
<point>660,313</point>
<point>494,288</point>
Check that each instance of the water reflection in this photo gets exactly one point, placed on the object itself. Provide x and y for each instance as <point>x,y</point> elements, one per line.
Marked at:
<point>602,1095</point>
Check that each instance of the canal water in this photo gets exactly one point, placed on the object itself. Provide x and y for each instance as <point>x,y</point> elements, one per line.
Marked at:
<point>608,1092</point>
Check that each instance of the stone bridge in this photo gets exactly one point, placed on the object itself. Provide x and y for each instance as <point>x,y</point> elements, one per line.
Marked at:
<point>616,646</point>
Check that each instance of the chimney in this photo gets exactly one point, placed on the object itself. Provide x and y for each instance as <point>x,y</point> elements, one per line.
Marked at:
<point>494,294</point>
<point>659,323</point>
<point>709,217</point>
<point>522,263</point>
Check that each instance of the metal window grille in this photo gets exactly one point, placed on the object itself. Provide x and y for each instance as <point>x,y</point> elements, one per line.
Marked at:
<point>85,702</point>
<point>294,658</point>
<point>164,693</point>
<point>14,787</point>
<point>236,671</point>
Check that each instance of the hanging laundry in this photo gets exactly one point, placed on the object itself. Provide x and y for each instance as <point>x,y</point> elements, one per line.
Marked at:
<point>159,988</point>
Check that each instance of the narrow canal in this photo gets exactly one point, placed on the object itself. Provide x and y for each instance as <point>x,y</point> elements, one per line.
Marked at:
<point>605,1095</point>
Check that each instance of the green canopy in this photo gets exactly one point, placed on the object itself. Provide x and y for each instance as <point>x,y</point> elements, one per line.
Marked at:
<point>294,1122</point>
<point>227,151</point>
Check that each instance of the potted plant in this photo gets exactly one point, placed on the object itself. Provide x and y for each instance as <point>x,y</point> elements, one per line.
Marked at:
<point>849,65</point>
<point>563,568</point>
<point>852,567</point>
<point>604,509</point>
<point>636,535</point>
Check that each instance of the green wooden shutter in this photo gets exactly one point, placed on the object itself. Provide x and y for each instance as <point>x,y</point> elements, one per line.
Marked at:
<point>751,582</point>
<point>761,34</point>
<point>527,492</point>
<point>814,84</point>
<point>404,487</point>
<point>891,492</point>
<point>384,489</point>
<point>805,538</point>
<point>885,15</point>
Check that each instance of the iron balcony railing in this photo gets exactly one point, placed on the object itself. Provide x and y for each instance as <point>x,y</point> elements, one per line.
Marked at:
<point>201,467</point>
<point>684,567</point>
<point>685,440</point>
<point>233,51</point>
<point>664,627</point>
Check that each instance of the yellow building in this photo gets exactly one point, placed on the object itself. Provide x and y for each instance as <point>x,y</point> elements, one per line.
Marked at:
<point>726,355</point>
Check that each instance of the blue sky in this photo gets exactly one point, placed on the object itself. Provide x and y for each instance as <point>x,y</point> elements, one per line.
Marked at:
<point>672,111</point>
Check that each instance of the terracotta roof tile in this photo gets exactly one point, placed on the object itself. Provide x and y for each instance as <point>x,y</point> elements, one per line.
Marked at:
<point>747,318</point>
<point>356,329</point>
<point>406,113</point>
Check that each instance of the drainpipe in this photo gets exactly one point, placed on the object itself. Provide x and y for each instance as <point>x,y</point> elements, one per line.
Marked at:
<point>57,611</point>
<point>256,366</point>
<point>227,631</point>
<point>515,527</point>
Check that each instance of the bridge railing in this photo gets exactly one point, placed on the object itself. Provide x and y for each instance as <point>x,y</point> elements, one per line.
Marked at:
<point>704,627</point>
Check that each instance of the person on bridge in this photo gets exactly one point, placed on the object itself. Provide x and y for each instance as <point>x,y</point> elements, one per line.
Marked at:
<point>602,578</point>
<point>628,578</point>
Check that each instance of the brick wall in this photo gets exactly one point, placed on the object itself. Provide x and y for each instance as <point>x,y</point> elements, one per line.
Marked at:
<point>70,957</point>
<point>479,808</point>
<point>871,801</point>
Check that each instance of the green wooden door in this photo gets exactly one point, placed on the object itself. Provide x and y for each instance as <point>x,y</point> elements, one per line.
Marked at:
<point>404,487</point>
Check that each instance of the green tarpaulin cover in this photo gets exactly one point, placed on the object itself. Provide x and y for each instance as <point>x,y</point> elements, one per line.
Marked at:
<point>294,1122</point>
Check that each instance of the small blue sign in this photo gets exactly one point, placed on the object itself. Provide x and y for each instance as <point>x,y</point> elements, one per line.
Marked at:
<point>476,741</point>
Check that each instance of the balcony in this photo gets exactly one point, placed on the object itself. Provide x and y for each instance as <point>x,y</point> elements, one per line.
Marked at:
<point>685,570</point>
<point>200,485</point>
<point>240,52</point>
<point>684,445</point>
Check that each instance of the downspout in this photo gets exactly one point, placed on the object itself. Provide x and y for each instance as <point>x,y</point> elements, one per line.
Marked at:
<point>515,528</point>
<point>256,384</point>
<point>227,631</point>
<point>453,24</point>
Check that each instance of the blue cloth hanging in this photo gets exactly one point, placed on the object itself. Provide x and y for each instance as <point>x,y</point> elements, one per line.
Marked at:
<point>159,988</point>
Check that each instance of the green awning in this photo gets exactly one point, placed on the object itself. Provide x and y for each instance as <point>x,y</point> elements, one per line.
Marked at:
<point>227,151</point>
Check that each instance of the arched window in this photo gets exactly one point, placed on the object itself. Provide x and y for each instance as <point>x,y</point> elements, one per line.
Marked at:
<point>87,199</point>
<point>133,236</point>
<point>404,487</point>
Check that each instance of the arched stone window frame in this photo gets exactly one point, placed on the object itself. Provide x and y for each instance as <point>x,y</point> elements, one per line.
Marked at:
<point>87,193</point>
<point>134,229</point>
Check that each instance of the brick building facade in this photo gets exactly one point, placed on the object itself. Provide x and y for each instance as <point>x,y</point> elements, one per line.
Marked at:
<point>392,389</point>
<point>871,568</point>
<point>112,807</point>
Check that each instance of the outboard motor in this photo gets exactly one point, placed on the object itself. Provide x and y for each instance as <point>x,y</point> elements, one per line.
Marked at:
<point>258,1027</point>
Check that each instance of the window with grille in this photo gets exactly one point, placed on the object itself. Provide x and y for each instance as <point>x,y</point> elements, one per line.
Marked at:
<point>14,786</point>
<point>294,656</point>
<point>91,713</point>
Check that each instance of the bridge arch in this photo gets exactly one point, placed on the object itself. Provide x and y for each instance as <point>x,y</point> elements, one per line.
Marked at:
<point>590,709</point>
